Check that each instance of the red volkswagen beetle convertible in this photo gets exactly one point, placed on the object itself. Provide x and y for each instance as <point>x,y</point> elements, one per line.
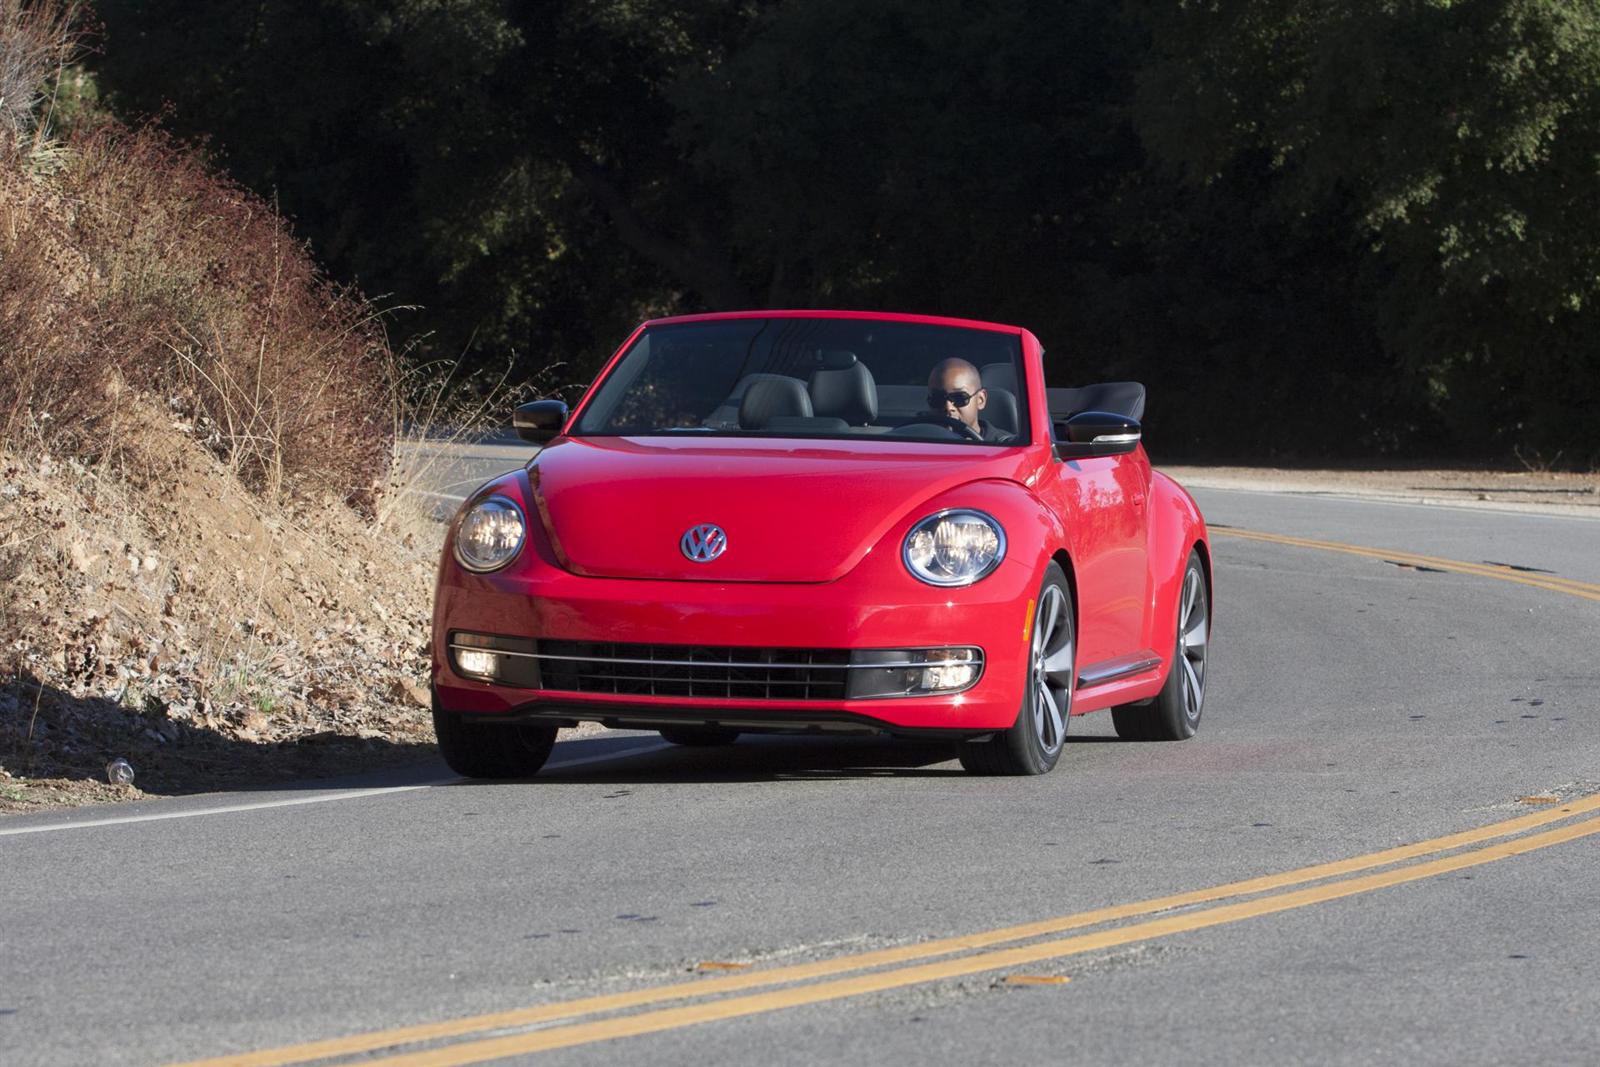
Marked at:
<point>824,522</point>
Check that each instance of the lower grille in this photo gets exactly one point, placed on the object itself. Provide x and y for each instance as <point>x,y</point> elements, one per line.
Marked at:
<point>694,670</point>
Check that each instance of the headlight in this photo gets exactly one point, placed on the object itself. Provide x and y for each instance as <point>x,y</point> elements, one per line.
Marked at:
<point>955,547</point>
<point>490,535</point>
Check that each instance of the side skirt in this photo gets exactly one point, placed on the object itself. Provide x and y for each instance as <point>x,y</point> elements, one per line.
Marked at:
<point>1118,669</point>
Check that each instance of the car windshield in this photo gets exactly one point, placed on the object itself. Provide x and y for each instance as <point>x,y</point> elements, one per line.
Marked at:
<point>816,377</point>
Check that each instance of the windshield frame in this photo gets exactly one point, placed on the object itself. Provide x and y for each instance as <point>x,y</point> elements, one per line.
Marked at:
<point>619,364</point>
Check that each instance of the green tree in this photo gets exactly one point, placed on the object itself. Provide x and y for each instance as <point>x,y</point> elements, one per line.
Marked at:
<point>506,165</point>
<point>954,156</point>
<point>1460,139</point>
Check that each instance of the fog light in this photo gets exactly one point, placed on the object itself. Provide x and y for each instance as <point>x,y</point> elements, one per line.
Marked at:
<point>952,677</point>
<point>496,658</point>
<point>477,664</point>
<point>912,672</point>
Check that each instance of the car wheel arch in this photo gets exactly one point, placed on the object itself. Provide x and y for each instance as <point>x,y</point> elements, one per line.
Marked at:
<point>1063,559</point>
<point>1203,549</point>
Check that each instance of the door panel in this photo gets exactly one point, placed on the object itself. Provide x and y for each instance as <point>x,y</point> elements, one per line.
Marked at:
<point>1104,502</point>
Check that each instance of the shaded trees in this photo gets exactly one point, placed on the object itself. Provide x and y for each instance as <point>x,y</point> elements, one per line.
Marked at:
<point>506,165</point>
<point>1368,223</point>
<point>1459,142</point>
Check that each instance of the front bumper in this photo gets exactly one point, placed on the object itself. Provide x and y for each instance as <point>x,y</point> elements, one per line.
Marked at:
<point>876,606</point>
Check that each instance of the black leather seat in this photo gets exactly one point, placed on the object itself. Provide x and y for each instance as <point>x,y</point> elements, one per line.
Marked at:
<point>1116,398</point>
<point>999,376</point>
<point>771,399</point>
<point>800,426</point>
<point>902,401</point>
<point>1000,379</point>
<point>726,415</point>
<point>1001,410</point>
<point>843,388</point>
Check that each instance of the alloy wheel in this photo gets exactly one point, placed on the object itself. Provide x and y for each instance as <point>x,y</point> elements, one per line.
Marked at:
<point>1051,669</point>
<point>1194,631</point>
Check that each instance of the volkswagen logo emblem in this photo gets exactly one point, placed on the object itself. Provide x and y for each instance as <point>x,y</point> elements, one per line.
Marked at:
<point>704,543</point>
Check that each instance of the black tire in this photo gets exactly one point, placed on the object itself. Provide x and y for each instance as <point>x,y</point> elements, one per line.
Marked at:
<point>1174,715</point>
<point>1033,744</point>
<point>699,736</point>
<point>491,750</point>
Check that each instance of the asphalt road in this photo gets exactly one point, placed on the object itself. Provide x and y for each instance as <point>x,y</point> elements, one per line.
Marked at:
<point>1356,705</point>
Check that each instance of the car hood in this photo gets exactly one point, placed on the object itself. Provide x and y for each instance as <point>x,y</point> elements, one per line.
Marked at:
<point>792,511</point>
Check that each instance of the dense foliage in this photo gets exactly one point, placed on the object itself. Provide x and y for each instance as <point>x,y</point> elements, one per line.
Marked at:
<point>133,278</point>
<point>1323,226</point>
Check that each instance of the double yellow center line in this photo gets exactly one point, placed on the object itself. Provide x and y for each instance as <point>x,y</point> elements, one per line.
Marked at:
<point>587,1020</point>
<point>568,1023</point>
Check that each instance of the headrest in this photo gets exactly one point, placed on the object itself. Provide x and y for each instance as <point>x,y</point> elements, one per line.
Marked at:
<point>773,398</point>
<point>1001,410</point>
<point>848,393</point>
<point>744,384</point>
<point>726,415</point>
<point>999,376</point>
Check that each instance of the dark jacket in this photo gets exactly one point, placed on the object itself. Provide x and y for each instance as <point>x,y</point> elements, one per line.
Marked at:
<point>994,435</point>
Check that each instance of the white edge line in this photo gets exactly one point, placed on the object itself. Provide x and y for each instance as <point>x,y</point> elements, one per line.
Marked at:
<point>158,816</point>
<point>319,798</point>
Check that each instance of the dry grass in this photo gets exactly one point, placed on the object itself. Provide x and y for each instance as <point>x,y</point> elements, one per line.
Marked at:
<point>438,412</point>
<point>132,265</point>
<point>129,269</point>
<point>37,40</point>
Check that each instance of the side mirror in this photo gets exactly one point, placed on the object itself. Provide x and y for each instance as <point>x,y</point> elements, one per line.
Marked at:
<point>540,420</point>
<point>1096,433</point>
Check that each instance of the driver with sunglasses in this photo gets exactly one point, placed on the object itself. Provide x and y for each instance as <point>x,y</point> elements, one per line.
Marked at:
<point>955,390</point>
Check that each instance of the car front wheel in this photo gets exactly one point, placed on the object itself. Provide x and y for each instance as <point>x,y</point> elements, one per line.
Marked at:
<point>491,750</point>
<point>1033,743</point>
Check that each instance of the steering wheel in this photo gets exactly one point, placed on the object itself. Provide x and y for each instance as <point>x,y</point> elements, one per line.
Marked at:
<point>929,418</point>
<point>960,428</point>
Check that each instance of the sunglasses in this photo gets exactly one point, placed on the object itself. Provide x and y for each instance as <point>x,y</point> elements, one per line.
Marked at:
<point>960,398</point>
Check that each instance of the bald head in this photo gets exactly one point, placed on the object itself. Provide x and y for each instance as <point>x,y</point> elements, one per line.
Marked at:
<point>956,375</point>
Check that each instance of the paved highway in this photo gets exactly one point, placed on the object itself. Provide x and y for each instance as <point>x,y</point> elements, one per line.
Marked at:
<point>1244,897</point>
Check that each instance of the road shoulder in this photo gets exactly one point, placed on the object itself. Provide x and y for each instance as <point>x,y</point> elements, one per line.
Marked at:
<point>1528,492</point>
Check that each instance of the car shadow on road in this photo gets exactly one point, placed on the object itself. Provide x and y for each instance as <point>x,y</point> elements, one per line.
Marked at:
<point>641,759</point>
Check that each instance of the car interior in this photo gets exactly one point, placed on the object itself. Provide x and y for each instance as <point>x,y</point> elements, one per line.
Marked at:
<point>806,377</point>
<point>841,396</point>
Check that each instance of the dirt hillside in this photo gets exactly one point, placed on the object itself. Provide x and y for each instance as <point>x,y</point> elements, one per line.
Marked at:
<point>156,610</point>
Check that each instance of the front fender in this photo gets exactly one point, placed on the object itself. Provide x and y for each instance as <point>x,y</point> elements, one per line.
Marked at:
<point>1176,528</point>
